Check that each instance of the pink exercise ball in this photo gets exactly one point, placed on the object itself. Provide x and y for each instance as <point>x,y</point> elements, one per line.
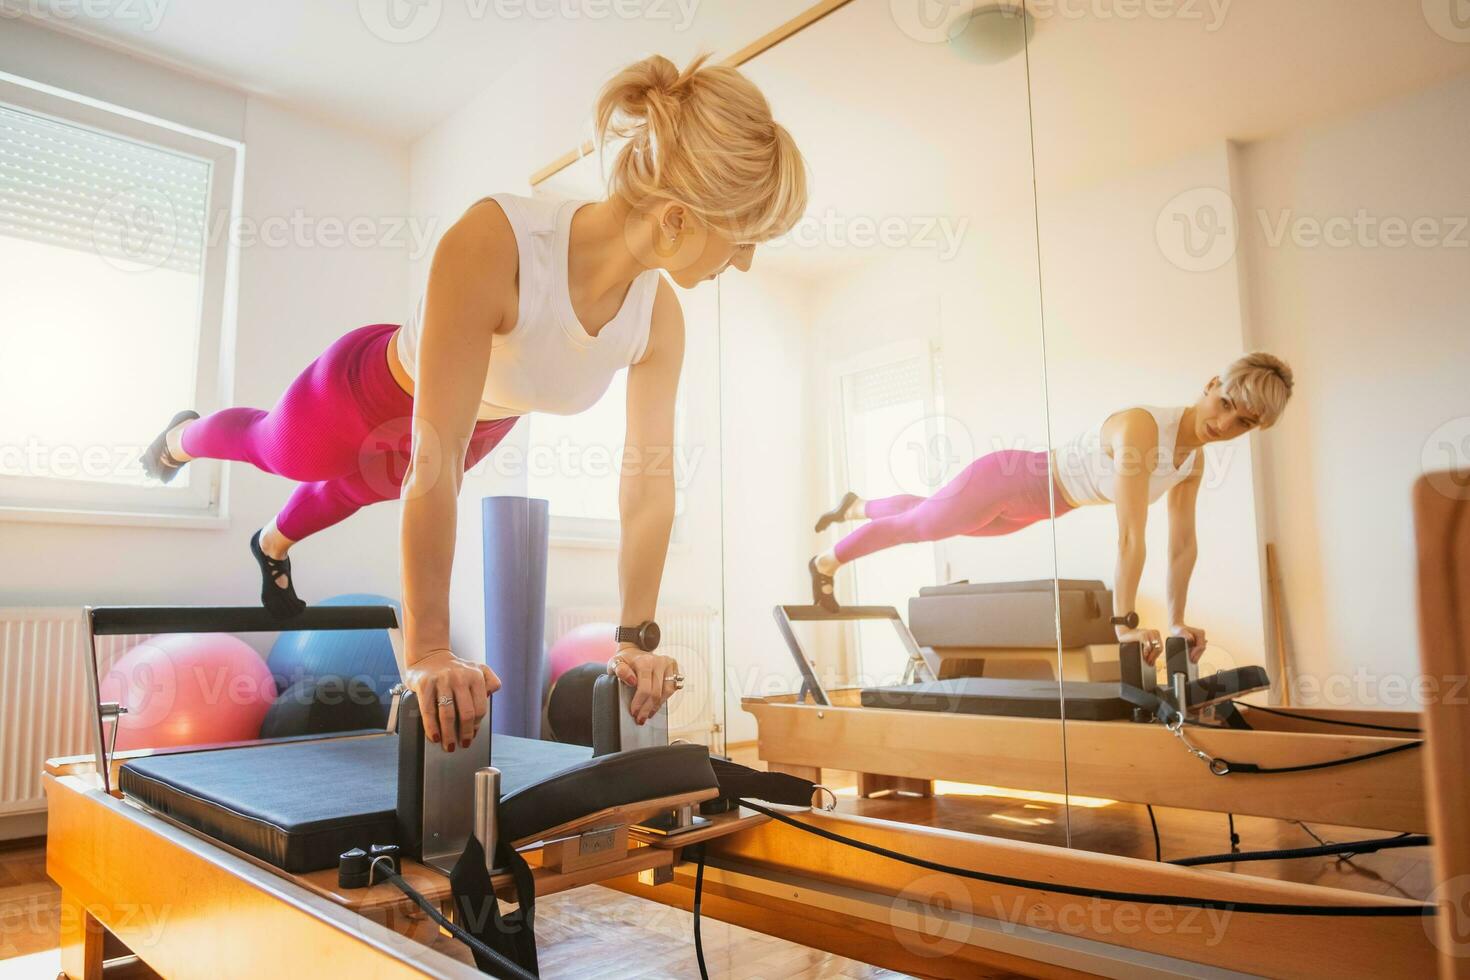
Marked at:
<point>189,689</point>
<point>586,644</point>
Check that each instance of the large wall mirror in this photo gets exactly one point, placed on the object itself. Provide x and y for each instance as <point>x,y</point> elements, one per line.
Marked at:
<point>1282,178</point>
<point>1034,238</point>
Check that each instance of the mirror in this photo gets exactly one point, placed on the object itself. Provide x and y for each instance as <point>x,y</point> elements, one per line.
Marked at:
<point>882,347</point>
<point>1219,179</point>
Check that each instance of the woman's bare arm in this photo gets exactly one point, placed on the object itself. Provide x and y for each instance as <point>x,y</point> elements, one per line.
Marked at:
<point>1133,437</point>
<point>1183,551</point>
<point>474,266</point>
<point>646,496</point>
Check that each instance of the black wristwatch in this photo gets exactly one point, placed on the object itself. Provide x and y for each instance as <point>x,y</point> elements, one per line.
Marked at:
<point>1130,620</point>
<point>644,636</point>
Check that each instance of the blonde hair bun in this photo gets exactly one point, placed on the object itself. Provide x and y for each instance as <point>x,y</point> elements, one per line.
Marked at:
<point>703,137</point>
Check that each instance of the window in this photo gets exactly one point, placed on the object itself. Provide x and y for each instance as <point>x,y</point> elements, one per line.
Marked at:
<point>892,442</point>
<point>113,304</point>
<point>574,464</point>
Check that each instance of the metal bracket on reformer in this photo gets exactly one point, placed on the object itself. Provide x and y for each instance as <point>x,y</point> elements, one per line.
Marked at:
<point>1180,671</point>
<point>918,668</point>
<point>441,795</point>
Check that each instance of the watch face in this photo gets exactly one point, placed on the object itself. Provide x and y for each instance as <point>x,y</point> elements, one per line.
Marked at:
<point>651,636</point>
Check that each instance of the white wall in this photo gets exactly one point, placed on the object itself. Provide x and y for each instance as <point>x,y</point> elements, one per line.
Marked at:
<point>293,302</point>
<point>1379,339</point>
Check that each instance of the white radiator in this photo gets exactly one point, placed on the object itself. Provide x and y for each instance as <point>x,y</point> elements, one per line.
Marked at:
<point>691,636</point>
<point>45,705</point>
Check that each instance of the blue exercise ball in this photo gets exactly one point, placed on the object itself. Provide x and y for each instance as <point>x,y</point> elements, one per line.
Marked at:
<point>353,654</point>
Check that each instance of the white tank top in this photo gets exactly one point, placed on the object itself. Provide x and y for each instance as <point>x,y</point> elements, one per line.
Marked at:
<point>1089,475</point>
<point>548,362</point>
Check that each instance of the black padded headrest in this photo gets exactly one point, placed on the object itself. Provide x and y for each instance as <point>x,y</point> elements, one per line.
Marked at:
<point>584,708</point>
<point>569,704</point>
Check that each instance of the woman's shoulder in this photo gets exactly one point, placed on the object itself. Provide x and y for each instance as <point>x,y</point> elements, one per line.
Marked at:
<point>481,247</point>
<point>537,214</point>
<point>1136,425</point>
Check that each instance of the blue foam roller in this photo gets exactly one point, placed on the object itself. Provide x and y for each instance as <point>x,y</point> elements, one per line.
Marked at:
<point>516,536</point>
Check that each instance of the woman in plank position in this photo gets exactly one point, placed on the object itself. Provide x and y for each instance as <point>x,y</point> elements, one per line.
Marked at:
<point>1129,460</point>
<point>531,306</point>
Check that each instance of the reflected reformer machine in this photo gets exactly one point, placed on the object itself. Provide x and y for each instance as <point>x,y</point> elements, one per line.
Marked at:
<point>1183,741</point>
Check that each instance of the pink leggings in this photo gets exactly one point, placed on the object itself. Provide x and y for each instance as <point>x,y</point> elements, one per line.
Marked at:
<point>996,494</point>
<point>342,430</point>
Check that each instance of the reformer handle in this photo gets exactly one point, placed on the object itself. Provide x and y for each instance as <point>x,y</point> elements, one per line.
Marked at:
<point>613,727</point>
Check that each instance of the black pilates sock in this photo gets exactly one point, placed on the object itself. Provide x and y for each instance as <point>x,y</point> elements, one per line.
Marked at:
<point>282,603</point>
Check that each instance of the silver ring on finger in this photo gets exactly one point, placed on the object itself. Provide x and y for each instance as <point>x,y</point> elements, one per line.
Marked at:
<point>445,700</point>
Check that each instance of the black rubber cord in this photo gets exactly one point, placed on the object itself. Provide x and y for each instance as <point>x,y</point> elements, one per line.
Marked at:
<point>1327,850</point>
<point>1325,721</point>
<point>1251,769</point>
<point>1158,850</point>
<point>507,968</point>
<point>1264,908</point>
<point>698,902</point>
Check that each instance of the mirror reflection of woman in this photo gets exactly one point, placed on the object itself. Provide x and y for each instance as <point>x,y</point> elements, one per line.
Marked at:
<point>1129,460</point>
<point>532,305</point>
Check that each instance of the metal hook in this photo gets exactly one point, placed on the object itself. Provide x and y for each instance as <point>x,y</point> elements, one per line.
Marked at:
<point>1217,766</point>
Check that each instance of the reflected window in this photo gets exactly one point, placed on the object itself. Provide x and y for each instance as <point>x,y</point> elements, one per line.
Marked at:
<point>891,424</point>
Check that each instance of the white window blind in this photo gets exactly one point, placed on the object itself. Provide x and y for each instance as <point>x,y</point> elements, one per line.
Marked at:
<point>885,385</point>
<point>75,188</point>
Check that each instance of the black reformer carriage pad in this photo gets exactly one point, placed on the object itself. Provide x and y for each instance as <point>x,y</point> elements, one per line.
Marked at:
<point>298,805</point>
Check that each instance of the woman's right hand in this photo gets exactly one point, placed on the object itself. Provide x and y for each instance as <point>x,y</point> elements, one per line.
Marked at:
<point>454,696</point>
<point>1149,642</point>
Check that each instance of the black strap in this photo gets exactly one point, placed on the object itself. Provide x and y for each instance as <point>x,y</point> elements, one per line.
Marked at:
<point>1230,716</point>
<point>1162,710</point>
<point>512,935</point>
<point>739,782</point>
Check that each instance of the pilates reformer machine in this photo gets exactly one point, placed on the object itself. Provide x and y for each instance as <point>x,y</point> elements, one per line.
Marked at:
<point>1183,740</point>
<point>258,859</point>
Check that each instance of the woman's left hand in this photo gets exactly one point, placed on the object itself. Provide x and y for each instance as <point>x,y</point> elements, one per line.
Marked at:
<point>1196,638</point>
<point>652,674</point>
